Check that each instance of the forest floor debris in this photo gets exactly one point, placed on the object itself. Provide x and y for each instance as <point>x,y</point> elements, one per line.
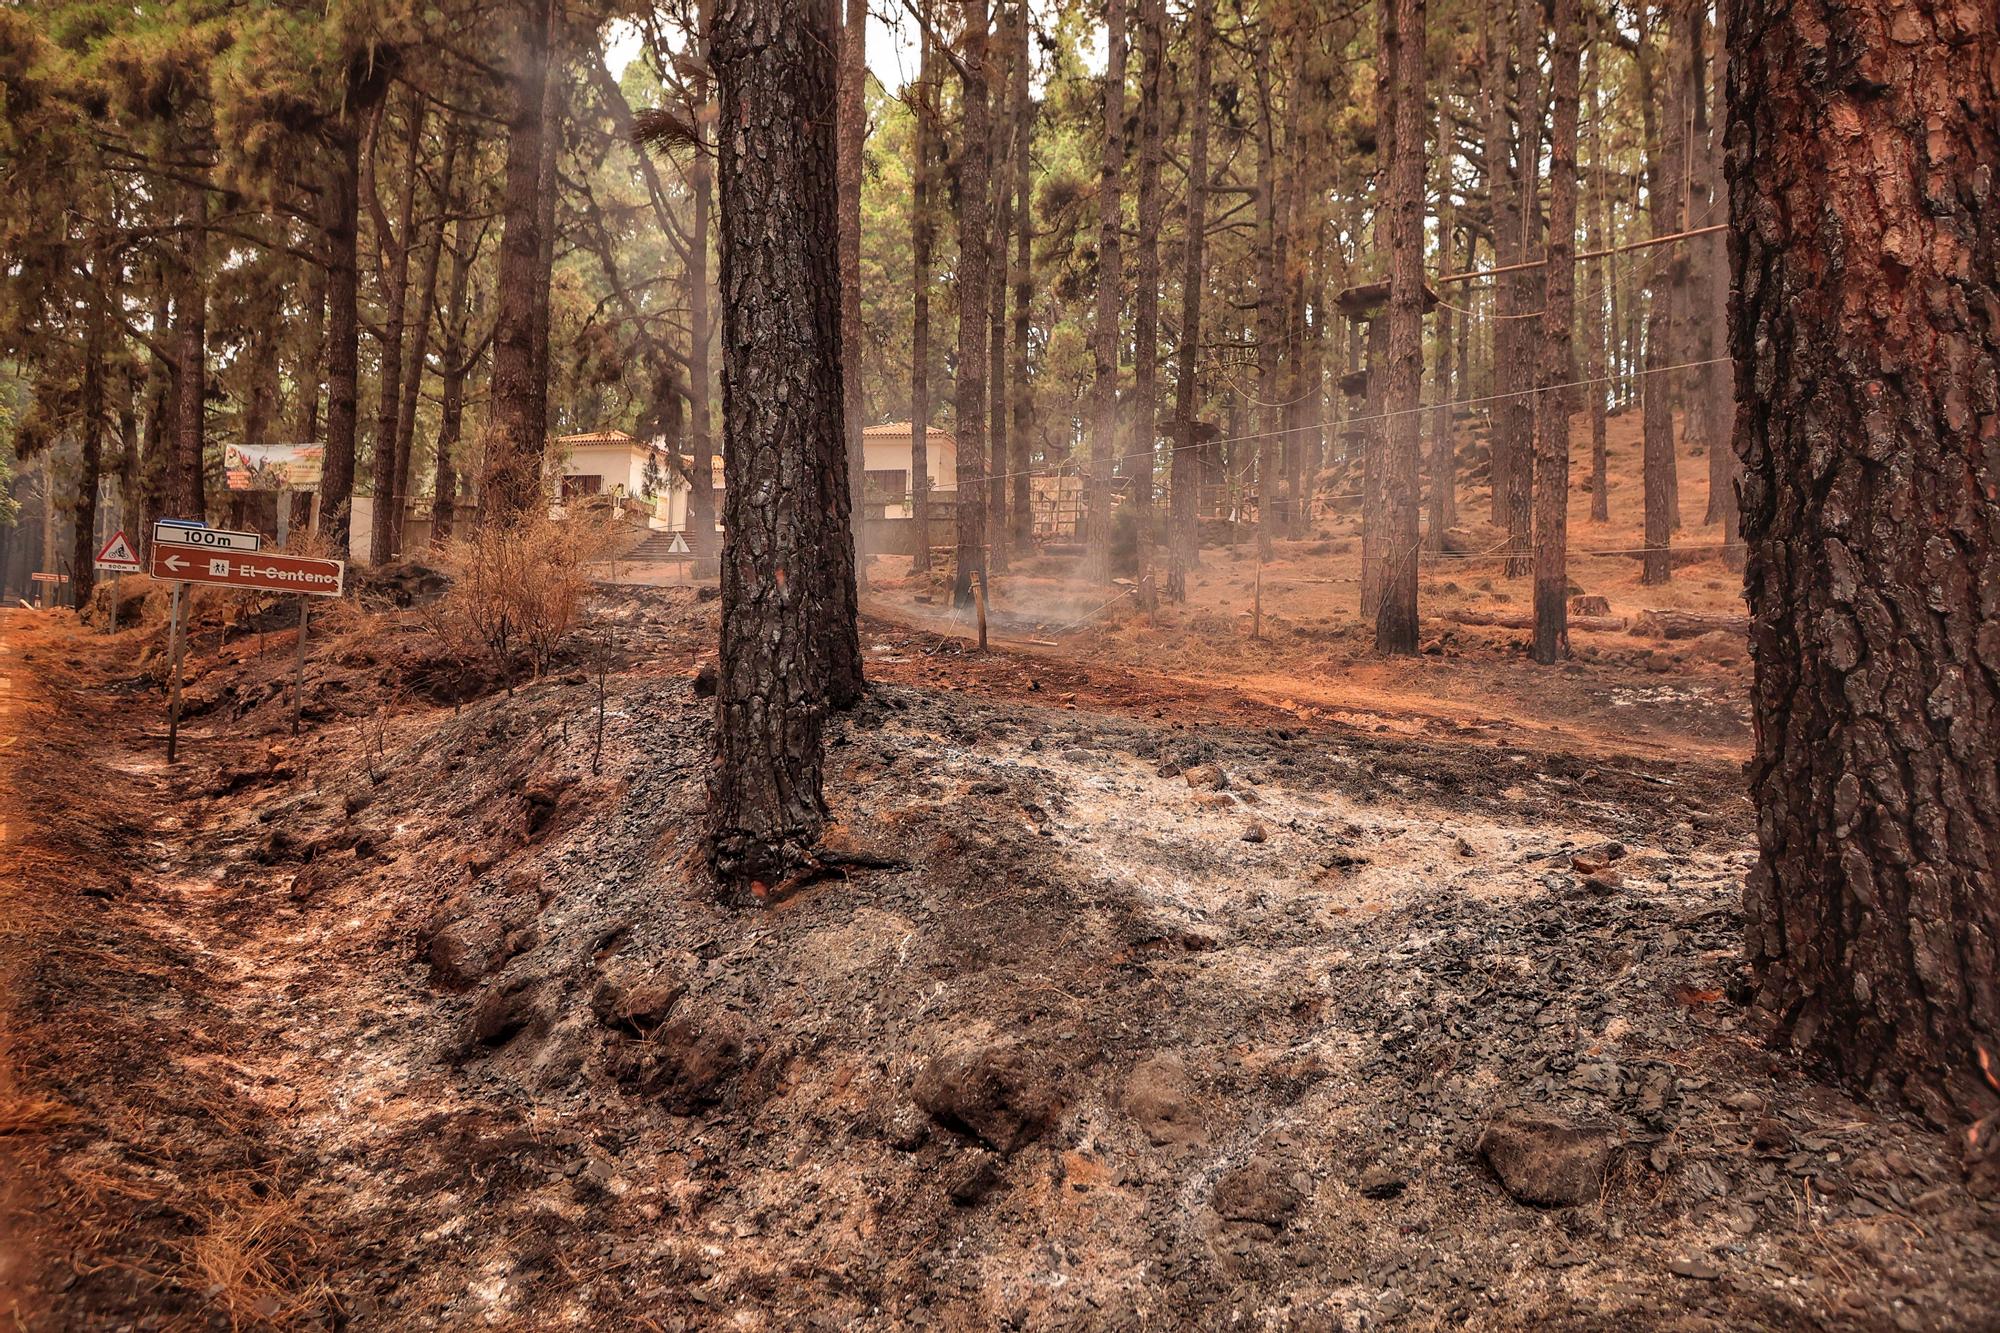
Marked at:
<point>416,1020</point>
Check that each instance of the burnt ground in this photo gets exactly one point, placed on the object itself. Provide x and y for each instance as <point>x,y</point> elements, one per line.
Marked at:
<point>1158,1005</point>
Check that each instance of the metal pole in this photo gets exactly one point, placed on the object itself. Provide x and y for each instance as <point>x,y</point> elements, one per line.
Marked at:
<point>299,667</point>
<point>114,601</point>
<point>174,667</point>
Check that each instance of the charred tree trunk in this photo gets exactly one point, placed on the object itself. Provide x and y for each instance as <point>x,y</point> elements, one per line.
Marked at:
<point>1596,237</point>
<point>1396,616</point>
<point>1503,207</point>
<point>1146,273</point>
<point>921,233</point>
<point>1444,469</point>
<point>511,485</point>
<point>969,392</point>
<point>312,356</point>
<point>1022,507</point>
<point>1866,336</point>
<point>417,354</point>
<point>90,435</point>
<point>1104,433</point>
<point>393,267</point>
<point>1001,178</point>
<point>783,427</point>
<point>1552,399</point>
<point>1517,410</point>
<point>852,114</point>
<point>1183,543</point>
<point>1664,172</point>
<point>187,493</point>
<point>1269,450</point>
<point>341,212</point>
<point>1375,443</point>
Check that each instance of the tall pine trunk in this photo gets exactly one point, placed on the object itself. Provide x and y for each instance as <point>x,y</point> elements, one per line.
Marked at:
<point>1183,542</point>
<point>1552,398</point>
<point>783,427</point>
<point>340,204</point>
<point>1517,410</point>
<point>1022,507</point>
<point>511,485</point>
<point>1664,151</point>
<point>1146,273</point>
<point>1866,330</point>
<point>701,408</point>
<point>1396,616</point>
<point>1104,433</point>
<point>922,230</point>
<point>392,245</point>
<point>1001,180</point>
<point>969,391</point>
<point>417,354</point>
<point>853,117</point>
<point>1595,329</point>
<point>187,491</point>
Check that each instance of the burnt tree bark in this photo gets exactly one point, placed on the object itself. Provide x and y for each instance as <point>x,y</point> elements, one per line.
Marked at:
<point>187,493</point>
<point>511,485</point>
<point>783,429</point>
<point>1866,330</point>
<point>1663,162</point>
<point>1001,179</point>
<point>853,114</point>
<point>922,231</point>
<point>1022,507</point>
<point>1185,480</point>
<point>969,390</point>
<point>1517,411</point>
<point>1146,273</point>
<point>417,354</point>
<point>1596,236</point>
<point>392,250</point>
<point>1104,433</point>
<point>1396,615</point>
<point>340,219</point>
<point>1552,399</point>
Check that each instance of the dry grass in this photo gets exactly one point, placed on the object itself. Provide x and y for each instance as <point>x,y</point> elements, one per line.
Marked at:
<point>518,588</point>
<point>249,1255</point>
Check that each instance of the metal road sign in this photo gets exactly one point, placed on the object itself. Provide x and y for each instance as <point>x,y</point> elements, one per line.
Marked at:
<point>39,577</point>
<point>118,556</point>
<point>177,533</point>
<point>265,571</point>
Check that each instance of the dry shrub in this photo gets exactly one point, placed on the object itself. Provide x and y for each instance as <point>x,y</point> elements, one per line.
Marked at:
<point>518,588</point>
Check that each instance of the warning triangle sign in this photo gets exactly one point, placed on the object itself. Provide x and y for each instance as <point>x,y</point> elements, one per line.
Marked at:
<point>118,554</point>
<point>678,546</point>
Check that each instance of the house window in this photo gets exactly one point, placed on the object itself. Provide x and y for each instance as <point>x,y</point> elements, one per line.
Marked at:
<point>575,484</point>
<point>885,485</point>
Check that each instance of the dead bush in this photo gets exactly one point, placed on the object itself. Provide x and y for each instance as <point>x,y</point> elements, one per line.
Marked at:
<point>517,588</point>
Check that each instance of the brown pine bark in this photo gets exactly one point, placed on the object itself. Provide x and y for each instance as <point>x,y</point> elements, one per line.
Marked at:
<point>311,363</point>
<point>392,248</point>
<point>1001,178</point>
<point>922,230</point>
<point>187,491</point>
<point>1145,410</point>
<point>1665,145</point>
<point>1866,328</point>
<point>1595,238</point>
<point>1268,451</point>
<point>90,435</point>
<point>1183,545</point>
<point>1105,437</point>
<point>511,485</point>
<point>969,391</point>
<point>853,114</point>
<point>340,214</point>
<point>416,355</point>
<point>1444,466</point>
<point>1396,617</point>
<point>1503,207</point>
<point>1558,297</point>
<point>1517,410</point>
<point>1022,507</point>
<point>775,68</point>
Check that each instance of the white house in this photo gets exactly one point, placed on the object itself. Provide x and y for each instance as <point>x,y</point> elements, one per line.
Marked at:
<point>612,463</point>
<point>887,452</point>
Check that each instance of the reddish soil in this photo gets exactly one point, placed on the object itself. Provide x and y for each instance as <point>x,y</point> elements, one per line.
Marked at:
<point>1187,982</point>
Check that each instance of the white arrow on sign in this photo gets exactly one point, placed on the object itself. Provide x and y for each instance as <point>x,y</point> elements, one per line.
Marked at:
<point>175,564</point>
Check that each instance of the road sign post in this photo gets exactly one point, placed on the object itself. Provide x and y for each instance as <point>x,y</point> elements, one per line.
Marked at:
<point>174,672</point>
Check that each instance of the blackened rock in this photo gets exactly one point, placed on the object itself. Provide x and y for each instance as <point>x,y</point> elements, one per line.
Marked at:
<point>973,1179</point>
<point>705,681</point>
<point>1004,1095</point>
<point>1546,1162</point>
